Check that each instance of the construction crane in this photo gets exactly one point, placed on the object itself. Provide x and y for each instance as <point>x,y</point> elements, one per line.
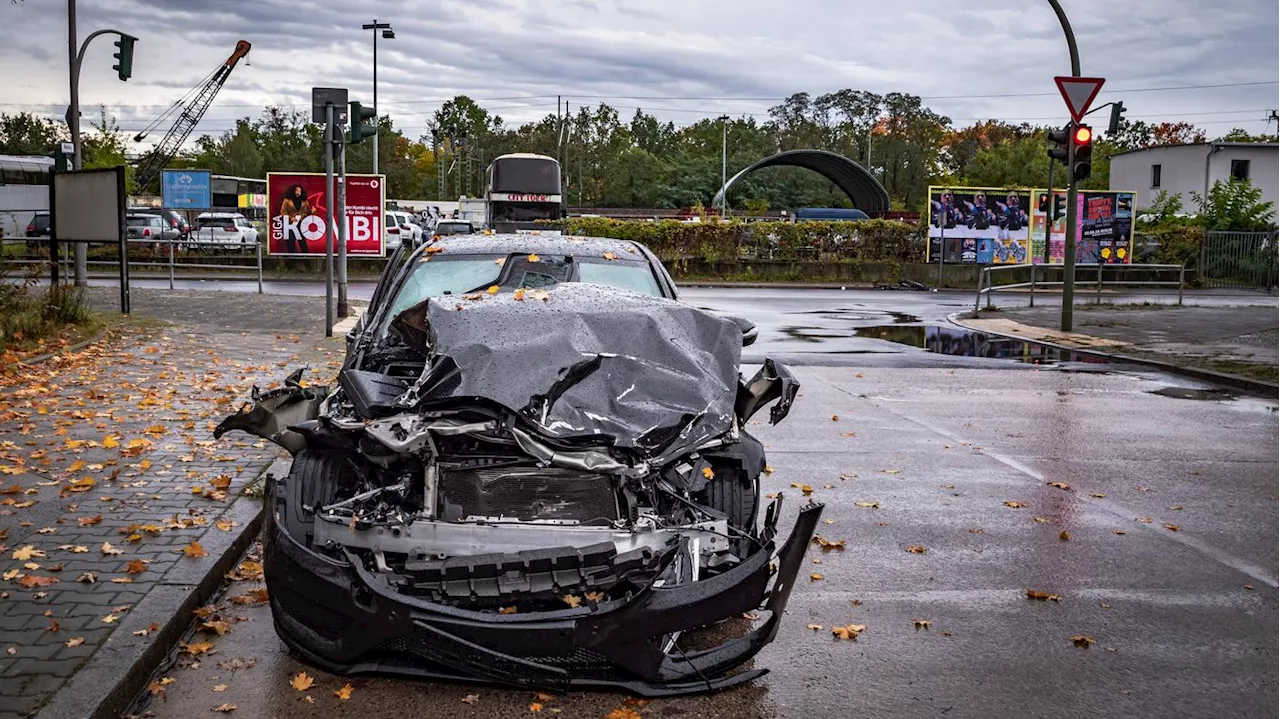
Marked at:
<point>189,108</point>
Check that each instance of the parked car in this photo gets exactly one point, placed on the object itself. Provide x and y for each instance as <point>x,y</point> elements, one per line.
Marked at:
<point>228,228</point>
<point>39,225</point>
<point>400,226</point>
<point>140,226</point>
<point>173,218</point>
<point>445,228</point>
<point>534,469</point>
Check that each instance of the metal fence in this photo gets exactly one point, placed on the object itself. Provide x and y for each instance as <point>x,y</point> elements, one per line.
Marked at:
<point>1241,260</point>
<point>1087,275</point>
<point>174,255</point>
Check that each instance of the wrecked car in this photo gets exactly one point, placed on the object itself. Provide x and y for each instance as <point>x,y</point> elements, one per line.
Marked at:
<point>533,470</point>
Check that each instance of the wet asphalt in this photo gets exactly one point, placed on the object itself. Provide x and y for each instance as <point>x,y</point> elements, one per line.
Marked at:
<point>1182,609</point>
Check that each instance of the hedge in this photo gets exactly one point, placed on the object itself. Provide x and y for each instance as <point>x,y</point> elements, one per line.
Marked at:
<point>671,240</point>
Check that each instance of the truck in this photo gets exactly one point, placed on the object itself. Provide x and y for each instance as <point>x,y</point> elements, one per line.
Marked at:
<point>522,188</point>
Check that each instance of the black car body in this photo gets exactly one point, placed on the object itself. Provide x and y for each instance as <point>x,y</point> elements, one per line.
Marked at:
<point>535,481</point>
<point>39,225</point>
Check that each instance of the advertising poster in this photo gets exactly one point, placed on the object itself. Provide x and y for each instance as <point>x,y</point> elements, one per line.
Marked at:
<point>1105,228</point>
<point>297,204</point>
<point>979,225</point>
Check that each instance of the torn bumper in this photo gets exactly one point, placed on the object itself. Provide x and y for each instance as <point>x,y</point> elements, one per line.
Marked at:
<point>345,620</point>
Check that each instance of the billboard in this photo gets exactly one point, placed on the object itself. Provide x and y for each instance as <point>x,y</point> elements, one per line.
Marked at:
<point>186,189</point>
<point>1104,232</point>
<point>979,225</point>
<point>297,203</point>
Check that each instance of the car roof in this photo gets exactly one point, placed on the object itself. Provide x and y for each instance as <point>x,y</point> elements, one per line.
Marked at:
<point>143,214</point>
<point>572,245</point>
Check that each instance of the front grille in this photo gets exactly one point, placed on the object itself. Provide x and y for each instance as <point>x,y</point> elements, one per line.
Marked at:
<point>527,493</point>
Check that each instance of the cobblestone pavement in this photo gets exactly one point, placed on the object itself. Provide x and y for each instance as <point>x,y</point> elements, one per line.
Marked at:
<point>110,476</point>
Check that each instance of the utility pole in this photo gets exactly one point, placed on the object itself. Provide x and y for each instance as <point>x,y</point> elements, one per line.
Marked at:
<point>328,218</point>
<point>1069,247</point>
<point>344,308</point>
<point>724,165</point>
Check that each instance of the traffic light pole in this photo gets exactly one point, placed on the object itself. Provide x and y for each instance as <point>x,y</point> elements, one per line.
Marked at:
<point>1049,213</point>
<point>329,136</point>
<point>344,308</point>
<point>1069,250</point>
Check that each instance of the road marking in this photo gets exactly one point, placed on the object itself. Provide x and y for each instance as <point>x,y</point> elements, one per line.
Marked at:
<point>1218,555</point>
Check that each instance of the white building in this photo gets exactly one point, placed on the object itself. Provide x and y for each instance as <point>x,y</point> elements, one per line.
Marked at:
<point>1183,169</point>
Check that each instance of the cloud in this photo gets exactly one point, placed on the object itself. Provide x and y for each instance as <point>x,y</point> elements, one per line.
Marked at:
<point>590,51</point>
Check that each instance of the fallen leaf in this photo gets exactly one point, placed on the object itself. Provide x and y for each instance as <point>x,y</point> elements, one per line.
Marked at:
<point>110,550</point>
<point>1172,527</point>
<point>471,699</point>
<point>828,544</point>
<point>916,549</point>
<point>1042,520</point>
<point>219,626</point>
<point>493,289</point>
<point>194,550</point>
<point>136,566</point>
<point>1015,505</point>
<point>254,596</point>
<point>921,623</point>
<point>23,554</point>
<point>110,441</point>
<point>623,713</point>
<point>867,505</point>
<point>595,597</point>
<point>535,707</point>
<point>572,600</point>
<point>156,689</point>
<point>610,256</point>
<point>1117,531</point>
<point>195,649</point>
<point>518,295</point>
<point>835,418</point>
<point>1064,535</point>
<point>815,577</point>
<point>891,471</point>
<point>225,708</point>
<point>1249,587</point>
<point>220,687</point>
<point>32,580</point>
<point>1144,520</point>
<point>87,577</point>
<point>976,530</point>
<point>1083,640</point>
<point>54,626</point>
<point>815,627</point>
<point>344,693</point>
<point>850,631</point>
<point>1097,495</point>
<point>534,258</point>
<point>77,641</point>
<point>302,682</point>
<point>1060,485</point>
<point>89,521</point>
<point>111,619</point>
<point>232,665</point>
<point>708,473</point>
<point>1176,508</point>
<point>1043,596</point>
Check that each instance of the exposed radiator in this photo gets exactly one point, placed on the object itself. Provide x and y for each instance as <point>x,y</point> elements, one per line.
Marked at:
<point>527,493</point>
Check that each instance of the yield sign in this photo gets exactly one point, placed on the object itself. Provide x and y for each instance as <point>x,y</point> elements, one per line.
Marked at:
<point>1079,93</point>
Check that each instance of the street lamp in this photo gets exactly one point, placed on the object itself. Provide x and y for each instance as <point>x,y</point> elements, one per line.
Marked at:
<point>387,34</point>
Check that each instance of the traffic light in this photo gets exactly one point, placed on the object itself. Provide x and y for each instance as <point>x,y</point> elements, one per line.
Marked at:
<point>1059,207</point>
<point>1082,139</point>
<point>124,56</point>
<point>1117,114</point>
<point>359,129</point>
<point>1058,140</point>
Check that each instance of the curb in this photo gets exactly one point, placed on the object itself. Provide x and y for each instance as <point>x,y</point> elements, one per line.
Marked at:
<point>73,348</point>
<point>1245,384</point>
<point>106,685</point>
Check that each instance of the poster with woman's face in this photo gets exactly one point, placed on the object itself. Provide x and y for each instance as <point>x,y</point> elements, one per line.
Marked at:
<point>975,225</point>
<point>298,205</point>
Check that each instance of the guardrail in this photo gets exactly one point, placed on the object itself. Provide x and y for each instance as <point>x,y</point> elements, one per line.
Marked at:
<point>178,254</point>
<point>985,286</point>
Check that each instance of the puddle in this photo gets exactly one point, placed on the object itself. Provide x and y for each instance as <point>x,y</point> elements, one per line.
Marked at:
<point>959,342</point>
<point>1209,395</point>
<point>903,318</point>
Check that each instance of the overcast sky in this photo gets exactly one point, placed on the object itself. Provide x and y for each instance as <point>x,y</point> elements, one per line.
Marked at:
<point>680,59</point>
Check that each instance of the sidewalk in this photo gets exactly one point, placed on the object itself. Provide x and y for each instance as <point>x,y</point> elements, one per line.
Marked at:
<point>116,503</point>
<point>1240,341</point>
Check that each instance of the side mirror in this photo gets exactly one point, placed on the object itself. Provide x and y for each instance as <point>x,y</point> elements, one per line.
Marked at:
<point>749,331</point>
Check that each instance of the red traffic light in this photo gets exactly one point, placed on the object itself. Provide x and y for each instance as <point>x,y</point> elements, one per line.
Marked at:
<point>1083,135</point>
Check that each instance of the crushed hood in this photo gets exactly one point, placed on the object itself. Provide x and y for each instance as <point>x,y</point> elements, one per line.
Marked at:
<point>587,362</point>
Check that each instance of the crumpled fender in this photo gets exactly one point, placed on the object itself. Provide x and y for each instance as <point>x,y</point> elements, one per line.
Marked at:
<point>773,381</point>
<point>273,413</point>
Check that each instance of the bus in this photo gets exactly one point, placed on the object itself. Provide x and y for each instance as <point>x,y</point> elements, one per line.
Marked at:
<point>24,191</point>
<point>830,214</point>
<point>521,189</point>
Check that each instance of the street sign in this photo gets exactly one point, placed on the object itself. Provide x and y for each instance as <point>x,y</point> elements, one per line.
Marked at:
<point>185,189</point>
<point>336,96</point>
<point>1078,92</point>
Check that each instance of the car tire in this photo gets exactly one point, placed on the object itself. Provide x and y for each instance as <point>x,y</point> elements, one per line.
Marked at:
<point>736,494</point>
<point>313,481</point>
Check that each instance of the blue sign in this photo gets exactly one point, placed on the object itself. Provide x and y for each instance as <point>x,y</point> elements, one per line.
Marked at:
<point>185,189</point>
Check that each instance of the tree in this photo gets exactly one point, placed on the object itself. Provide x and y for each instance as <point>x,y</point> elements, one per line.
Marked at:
<point>1235,205</point>
<point>27,134</point>
<point>1012,162</point>
<point>1176,133</point>
<point>1240,135</point>
<point>107,146</point>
